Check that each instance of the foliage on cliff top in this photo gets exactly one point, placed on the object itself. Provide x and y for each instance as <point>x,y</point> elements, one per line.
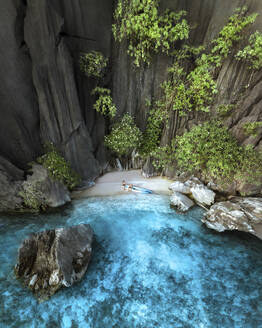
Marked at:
<point>124,137</point>
<point>93,63</point>
<point>104,103</point>
<point>58,168</point>
<point>147,32</point>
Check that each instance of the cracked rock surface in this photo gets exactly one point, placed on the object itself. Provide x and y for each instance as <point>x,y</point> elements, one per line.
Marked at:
<point>181,202</point>
<point>52,259</point>
<point>242,214</point>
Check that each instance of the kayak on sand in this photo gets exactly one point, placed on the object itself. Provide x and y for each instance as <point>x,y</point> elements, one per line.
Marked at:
<point>142,190</point>
<point>131,187</point>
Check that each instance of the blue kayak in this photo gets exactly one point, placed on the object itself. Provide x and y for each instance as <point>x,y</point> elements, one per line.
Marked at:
<point>140,189</point>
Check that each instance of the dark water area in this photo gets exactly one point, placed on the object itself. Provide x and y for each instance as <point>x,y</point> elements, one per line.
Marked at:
<point>151,267</point>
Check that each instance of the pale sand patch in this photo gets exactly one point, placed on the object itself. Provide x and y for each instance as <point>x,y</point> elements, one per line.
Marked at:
<point>258,230</point>
<point>110,184</point>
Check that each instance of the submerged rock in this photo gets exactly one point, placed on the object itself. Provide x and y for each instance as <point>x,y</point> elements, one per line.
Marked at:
<point>181,202</point>
<point>239,213</point>
<point>52,259</point>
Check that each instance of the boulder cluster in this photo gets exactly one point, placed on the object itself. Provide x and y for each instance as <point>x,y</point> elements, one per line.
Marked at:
<point>238,213</point>
<point>186,194</point>
<point>235,213</point>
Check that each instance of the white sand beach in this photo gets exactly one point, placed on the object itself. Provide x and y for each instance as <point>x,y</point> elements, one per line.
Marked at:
<point>258,230</point>
<point>110,184</point>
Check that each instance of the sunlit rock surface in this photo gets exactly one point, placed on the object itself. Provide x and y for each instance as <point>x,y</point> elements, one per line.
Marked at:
<point>193,186</point>
<point>200,192</point>
<point>52,259</point>
<point>179,187</point>
<point>151,267</point>
<point>181,202</point>
<point>239,213</point>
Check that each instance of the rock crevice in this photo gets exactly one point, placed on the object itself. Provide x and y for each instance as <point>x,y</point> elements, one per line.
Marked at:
<point>52,259</point>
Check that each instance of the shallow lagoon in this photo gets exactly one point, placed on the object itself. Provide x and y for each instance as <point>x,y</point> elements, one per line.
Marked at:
<point>151,267</point>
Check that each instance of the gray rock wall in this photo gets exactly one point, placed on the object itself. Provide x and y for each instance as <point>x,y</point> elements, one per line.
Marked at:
<point>44,97</point>
<point>19,114</point>
<point>236,83</point>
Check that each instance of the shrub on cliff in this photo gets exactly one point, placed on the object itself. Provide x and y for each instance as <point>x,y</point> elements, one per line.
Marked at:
<point>252,53</point>
<point>231,33</point>
<point>252,128</point>
<point>93,63</point>
<point>211,150</point>
<point>58,168</point>
<point>104,103</point>
<point>208,148</point>
<point>124,137</point>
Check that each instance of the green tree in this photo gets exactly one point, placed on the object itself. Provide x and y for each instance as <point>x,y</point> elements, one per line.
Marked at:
<point>58,168</point>
<point>124,137</point>
<point>146,31</point>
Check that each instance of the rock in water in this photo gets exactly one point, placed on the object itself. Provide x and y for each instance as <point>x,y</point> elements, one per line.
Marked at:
<point>241,214</point>
<point>52,259</point>
<point>180,201</point>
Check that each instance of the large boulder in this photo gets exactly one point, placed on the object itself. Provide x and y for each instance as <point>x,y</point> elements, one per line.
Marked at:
<point>181,202</point>
<point>41,191</point>
<point>52,259</point>
<point>179,186</point>
<point>194,187</point>
<point>242,214</point>
<point>201,194</point>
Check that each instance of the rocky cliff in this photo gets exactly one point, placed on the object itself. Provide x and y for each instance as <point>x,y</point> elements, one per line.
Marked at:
<point>236,84</point>
<point>44,97</point>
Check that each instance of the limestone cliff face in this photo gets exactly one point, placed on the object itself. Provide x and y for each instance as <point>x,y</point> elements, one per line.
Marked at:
<point>44,97</point>
<point>237,85</point>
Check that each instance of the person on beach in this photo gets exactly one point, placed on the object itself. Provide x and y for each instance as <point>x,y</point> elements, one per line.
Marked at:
<point>130,187</point>
<point>127,187</point>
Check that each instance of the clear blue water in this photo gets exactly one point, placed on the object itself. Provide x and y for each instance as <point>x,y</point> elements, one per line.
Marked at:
<point>151,267</point>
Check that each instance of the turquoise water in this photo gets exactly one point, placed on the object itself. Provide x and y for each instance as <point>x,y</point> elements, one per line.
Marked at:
<point>151,267</point>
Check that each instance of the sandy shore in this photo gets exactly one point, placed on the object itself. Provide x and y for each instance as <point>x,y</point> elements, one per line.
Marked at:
<point>110,184</point>
<point>258,230</point>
